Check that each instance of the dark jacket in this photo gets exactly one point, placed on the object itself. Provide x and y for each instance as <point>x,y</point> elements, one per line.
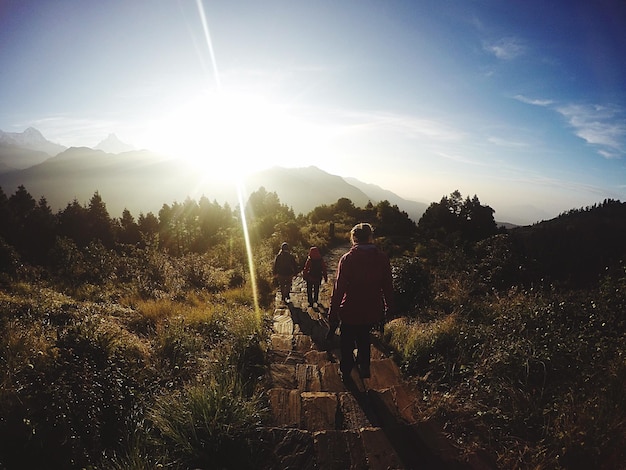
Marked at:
<point>285,264</point>
<point>363,288</point>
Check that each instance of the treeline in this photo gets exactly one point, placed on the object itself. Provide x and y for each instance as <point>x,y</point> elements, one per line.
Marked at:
<point>32,228</point>
<point>83,243</point>
<point>576,249</point>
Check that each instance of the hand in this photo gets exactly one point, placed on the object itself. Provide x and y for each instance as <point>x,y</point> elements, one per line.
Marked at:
<point>330,335</point>
<point>331,331</point>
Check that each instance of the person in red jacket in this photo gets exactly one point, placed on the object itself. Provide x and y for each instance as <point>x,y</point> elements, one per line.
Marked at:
<point>313,272</point>
<point>362,294</point>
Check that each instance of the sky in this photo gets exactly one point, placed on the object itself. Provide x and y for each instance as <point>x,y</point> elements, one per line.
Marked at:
<point>520,102</point>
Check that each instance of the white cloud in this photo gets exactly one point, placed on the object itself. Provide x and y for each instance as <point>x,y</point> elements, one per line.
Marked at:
<point>506,48</point>
<point>411,127</point>
<point>604,126</point>
<point>535,102</point>
<point>461,159</point>
<point>75,132</point>
<point>506,142</point>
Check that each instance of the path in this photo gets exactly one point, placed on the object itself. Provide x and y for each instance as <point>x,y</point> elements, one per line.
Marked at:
<point>318,423</point>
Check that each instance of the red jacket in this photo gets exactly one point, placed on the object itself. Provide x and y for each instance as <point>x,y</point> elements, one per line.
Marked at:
<point>308,273</point>
<point>363,287</point>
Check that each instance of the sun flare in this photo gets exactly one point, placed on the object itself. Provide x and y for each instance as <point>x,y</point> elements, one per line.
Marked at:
<point>226,136</point>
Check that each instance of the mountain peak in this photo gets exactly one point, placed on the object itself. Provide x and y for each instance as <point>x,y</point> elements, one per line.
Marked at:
<point>31,139</point>
<point>33,134</point>
<point>112,144</point>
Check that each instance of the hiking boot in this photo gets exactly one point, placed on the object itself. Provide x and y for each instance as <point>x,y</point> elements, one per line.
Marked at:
<point>346,380</point>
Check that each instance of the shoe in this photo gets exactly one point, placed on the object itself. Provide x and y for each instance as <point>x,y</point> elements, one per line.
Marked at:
<point>346,379</point>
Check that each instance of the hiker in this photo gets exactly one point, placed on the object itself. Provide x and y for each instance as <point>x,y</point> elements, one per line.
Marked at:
<point>313,272</point>
<point>285,268</point>
<point>361,295</point>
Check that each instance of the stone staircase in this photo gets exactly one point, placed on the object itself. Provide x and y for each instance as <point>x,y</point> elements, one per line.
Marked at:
<point>319,423</point>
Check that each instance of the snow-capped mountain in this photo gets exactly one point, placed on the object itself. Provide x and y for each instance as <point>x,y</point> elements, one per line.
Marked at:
<point>112,144</point>
<point>20,150</point>
<point>30,139</point>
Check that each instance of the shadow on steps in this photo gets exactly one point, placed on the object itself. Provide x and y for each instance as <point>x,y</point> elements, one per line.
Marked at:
<point>311,322</point>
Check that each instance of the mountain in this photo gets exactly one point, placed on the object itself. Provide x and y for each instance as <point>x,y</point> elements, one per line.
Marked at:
<point>142,181</point>
<point>113,145</point>
<point>414,209</point>
<point>30,139</point>
<point>19,150</point>
<point>303,189</point>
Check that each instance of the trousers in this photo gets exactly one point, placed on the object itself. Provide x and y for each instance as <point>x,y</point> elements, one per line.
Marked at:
<point>355,337</point>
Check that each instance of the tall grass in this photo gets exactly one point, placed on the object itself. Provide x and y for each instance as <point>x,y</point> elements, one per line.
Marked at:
<point>82,381</point>
<point>534,378</point>
<point>210,424</point>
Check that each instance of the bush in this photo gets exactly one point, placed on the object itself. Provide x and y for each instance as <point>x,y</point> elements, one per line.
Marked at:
<point>77,399</point>
<point>208,425</point>
<point>412,285</point>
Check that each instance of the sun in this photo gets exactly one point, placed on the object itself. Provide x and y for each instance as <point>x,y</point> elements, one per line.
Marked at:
<point>229,135</point>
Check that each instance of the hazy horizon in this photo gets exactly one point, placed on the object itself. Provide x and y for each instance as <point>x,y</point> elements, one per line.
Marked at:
<point>523,104</point>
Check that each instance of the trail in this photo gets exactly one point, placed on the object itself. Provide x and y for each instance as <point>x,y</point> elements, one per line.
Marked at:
<point>318,423</point>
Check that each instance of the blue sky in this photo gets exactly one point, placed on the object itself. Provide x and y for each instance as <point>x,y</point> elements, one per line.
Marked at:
<point>520,102</point>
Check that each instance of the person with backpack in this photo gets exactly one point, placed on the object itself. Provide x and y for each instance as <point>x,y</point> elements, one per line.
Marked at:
<point>313,272</point>
<point>362,293</point>
<point>285,268</point>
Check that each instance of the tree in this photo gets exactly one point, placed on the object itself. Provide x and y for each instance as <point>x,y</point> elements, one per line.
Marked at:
<point>148,227</point>
<point>263,212</point>
<point>456,222</point>
<point>72,223</point>
<point>100,225</point>
<point>129,232</point>
<point>391,220</point>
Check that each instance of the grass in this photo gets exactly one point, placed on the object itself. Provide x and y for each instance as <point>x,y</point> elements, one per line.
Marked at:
<point>534,379</point>
<point>90,383</point>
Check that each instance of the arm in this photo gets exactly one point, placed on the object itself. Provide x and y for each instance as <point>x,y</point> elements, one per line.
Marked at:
<point>339,290</point>
<point>307,268</point>
<point>387,285</point>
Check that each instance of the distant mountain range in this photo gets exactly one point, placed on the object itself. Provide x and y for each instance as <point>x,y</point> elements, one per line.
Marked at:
<point>142,181</point>
<point>24,149</point>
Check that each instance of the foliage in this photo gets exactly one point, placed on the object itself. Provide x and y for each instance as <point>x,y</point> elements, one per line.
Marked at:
<point>455,221</point>
<point>532,376</point>
<point>137,344</point>
<point>78,378</point>
<point>209,425</point>
<point>412,285</point>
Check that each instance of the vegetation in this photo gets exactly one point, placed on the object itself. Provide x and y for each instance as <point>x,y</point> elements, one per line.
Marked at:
<point>138,343</point>
<point>518,340</point>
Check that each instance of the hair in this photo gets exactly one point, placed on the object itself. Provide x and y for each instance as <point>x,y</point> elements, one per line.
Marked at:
<point>284,246</point>
<point>361,233</point>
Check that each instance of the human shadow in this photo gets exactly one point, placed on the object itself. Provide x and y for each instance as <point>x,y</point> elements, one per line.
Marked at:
<point>312,322</point>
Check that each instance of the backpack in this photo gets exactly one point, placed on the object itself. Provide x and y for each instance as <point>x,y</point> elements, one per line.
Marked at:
<point>315,268</point>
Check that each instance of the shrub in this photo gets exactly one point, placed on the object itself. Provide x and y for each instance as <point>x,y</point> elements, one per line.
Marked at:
<point>76,399</point>
<point>412,285</point>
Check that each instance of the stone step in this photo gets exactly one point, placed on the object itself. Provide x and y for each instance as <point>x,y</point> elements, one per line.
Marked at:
<point>366,448</point>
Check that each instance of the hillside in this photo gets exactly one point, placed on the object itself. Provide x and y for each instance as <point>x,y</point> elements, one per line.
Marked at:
<point>142,181</point>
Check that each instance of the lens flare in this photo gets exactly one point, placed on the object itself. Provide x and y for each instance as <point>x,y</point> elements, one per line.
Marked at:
<point>244,226</point>
<point>239,187</point>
